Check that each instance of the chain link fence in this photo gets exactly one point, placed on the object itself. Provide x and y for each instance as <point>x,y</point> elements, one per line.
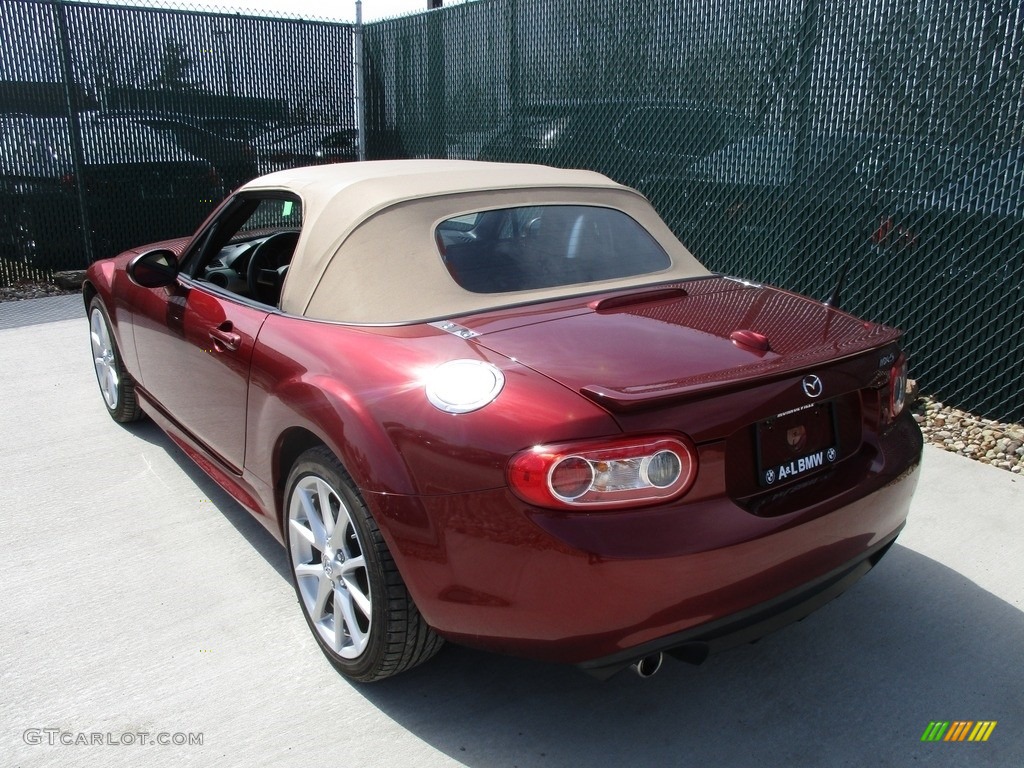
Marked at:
<point>781,139</point>
<point>121,126</point>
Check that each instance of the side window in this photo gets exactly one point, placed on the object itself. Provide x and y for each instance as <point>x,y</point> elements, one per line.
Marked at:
<point>250,247</point>
<point>685,132</point>
<point>273,214</point>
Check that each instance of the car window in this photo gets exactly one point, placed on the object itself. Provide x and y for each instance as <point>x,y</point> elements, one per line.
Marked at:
<point>531,247</point>
<point>912,167</point>
<point>249,248</point>
<point>35,147</point>
<point>271,214</point>
<point>995,188</point>
<point>679,131</point>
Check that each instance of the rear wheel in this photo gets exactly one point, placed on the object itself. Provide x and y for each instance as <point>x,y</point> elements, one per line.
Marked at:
<point>350,591</point>
<point>116,385</point>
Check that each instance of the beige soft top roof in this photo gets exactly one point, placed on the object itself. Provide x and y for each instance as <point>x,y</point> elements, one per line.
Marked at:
<point>367,252</point>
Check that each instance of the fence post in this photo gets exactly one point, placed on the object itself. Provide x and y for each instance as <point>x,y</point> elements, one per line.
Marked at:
<point>77,153</point>
<point>437,129</point>
<point>357,54</point>
<point>513,61</point>
<point>801,107</point>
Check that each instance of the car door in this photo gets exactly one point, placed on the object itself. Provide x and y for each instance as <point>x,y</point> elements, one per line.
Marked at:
<point>194,352</point>
<point>195,342</point>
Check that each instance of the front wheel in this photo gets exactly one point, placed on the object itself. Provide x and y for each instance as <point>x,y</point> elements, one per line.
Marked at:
<point>116,384</point>
<point>350,591</point>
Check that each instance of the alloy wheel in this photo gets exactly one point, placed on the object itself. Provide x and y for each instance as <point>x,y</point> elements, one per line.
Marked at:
<point>330,568</point>
<point>103,358</point>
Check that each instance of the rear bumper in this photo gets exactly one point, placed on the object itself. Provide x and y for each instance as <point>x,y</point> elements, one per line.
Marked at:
<point>601,591</point>
<point>696,644</point>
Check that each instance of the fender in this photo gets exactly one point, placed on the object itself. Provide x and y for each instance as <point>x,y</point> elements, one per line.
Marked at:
<point>360,392</point>
<point>108,279</point>
<point>321,406</point>
<point>100,281</point>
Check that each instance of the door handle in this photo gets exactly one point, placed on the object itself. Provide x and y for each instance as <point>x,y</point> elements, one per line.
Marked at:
<point>224,338</point>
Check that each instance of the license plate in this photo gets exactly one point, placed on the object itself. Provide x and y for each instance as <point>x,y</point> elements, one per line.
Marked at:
<point>796,443</point>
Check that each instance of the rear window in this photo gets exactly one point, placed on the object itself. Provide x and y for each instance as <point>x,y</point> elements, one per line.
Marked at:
<point>527,248</point>
<point>916,167</point>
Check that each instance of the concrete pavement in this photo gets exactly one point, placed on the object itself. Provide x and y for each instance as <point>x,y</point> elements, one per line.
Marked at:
<point>138,598</point>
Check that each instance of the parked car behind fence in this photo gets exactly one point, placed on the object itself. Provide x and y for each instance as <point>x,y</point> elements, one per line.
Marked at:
<point>134,182</point>
<point>627,141</point>
<point>963,228</point>
<point>293,146</point>
<point>233,156</point>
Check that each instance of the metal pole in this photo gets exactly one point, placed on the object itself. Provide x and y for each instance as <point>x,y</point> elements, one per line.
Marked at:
<point>77,152</point>
<point>357,55</point>
<point>801,106</point>
<point>227,58</point>
<point>513,62</point>
<point>436,115</point>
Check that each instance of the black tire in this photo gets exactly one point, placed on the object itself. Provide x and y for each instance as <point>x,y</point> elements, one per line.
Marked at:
<point>118,392</point>
<point>24,234</point>
<point>382,632</point>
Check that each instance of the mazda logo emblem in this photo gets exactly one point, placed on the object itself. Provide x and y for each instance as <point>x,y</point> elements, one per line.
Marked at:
<point>812,386</point>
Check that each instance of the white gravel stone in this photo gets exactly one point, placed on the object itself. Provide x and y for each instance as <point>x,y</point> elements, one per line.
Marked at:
<point>990,442</point>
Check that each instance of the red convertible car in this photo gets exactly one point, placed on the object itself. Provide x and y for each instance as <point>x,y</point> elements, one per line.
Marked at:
<point>502,405</point>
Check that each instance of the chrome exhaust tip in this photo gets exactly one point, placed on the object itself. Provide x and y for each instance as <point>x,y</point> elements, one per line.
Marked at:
<point>648,666</point>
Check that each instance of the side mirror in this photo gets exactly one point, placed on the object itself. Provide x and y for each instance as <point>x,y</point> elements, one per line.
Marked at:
<point>154,269</point>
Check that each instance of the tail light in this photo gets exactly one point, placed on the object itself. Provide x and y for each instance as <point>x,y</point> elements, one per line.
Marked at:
<point>893,235</point>
<point>897,387</point>
<point>881,234</point>
<point>604,474</point>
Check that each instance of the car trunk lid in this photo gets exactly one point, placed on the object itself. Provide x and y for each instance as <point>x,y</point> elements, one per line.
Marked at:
<point>642,348</point>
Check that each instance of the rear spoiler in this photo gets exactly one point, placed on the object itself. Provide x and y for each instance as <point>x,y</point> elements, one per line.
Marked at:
<point>656,394</point>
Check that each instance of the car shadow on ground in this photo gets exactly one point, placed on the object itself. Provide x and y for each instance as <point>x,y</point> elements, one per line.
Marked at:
<point>855,683</point>
<point>247,526</point>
